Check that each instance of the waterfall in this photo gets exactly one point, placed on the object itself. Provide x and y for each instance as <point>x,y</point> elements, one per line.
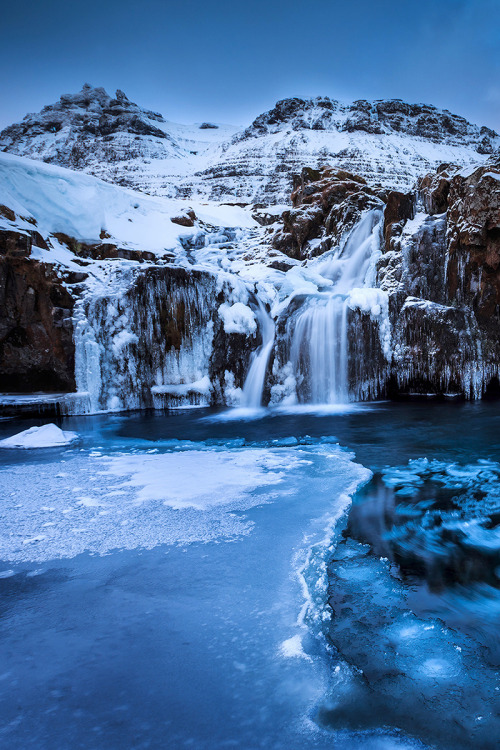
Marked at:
<point>254,383</point>
<point>318,331</point>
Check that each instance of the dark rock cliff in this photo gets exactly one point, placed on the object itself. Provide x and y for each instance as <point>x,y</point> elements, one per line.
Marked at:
<point>36,331</point>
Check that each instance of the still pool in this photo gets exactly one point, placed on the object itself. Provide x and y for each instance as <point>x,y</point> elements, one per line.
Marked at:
<point>281,580</point>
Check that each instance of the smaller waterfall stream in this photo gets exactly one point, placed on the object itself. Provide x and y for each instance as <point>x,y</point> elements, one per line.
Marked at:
<point>319,331</point>
<point>254,382</point>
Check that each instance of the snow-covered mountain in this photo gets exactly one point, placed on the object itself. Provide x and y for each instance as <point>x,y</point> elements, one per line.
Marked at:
<point>388,142</point>
<point>114,139</point>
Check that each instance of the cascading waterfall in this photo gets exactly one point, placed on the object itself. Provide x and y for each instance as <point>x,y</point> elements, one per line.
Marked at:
<point>319,345</point>
<point>318,332</point>
<point>147,338</point>
<point>254,383</point>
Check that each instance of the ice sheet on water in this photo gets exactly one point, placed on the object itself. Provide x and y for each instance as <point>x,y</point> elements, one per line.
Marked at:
<point>189,493</point>
<point>199,480</point>
<point>419,675</point>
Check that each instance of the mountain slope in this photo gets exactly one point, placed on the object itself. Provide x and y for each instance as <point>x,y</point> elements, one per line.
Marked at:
<point>389,143</point>
<point>112,138</point>
<point>386,142</point>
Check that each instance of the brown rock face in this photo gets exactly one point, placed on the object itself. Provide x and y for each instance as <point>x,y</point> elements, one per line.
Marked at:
<point>434,188</point>
<point>102,250</point>
<point>474,242</point>
<point>399,208</point>
<point>36,341</point>
<point>327,204</point>
<point>185,220</point>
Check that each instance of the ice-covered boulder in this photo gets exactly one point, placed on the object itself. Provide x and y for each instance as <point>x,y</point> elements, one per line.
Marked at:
<point>46,436</point>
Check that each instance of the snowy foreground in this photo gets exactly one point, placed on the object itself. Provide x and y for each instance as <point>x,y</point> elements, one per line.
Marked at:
<point>206,591</point>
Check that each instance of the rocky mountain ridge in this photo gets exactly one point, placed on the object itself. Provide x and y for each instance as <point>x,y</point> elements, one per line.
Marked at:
<point>388,142</point>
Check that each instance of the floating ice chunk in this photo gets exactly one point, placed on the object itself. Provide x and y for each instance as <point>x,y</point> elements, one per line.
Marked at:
<point>292,648</point>
<point>46,436</point>
<point>238,318</point>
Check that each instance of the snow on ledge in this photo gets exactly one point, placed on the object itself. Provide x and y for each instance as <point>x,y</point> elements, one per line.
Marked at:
<point>201,386</point>
<point>238,318</point>
<point>46,436</point>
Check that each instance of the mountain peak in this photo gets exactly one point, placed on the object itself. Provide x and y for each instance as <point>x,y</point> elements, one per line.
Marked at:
<point>389,142</point>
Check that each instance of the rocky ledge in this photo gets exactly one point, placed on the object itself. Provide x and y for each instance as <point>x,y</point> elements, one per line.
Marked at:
<point>438,268</point>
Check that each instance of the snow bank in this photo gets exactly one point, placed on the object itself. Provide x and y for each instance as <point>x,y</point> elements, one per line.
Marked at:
<point>82,206</point>
<point>238,318</point>
<point>46,436</point>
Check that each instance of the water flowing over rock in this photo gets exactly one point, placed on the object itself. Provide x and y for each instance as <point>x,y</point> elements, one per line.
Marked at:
<point>356,291</point>
<point>253,389</point>
<point>318,334</point>
<point>430,323</point>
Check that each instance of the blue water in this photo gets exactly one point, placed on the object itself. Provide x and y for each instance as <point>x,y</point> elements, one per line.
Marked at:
<point>128,623</point>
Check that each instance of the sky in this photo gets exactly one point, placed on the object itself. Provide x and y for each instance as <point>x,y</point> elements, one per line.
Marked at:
<point>195,60</point>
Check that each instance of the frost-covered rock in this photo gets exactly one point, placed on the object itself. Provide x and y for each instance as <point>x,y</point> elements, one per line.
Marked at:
<point>327,204</point>
<point>427,319</point>
<point>46,436</point>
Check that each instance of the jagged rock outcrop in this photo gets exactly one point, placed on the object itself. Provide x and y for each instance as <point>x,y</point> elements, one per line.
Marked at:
<point>86,127</point>
<point>389,143</point>
<point>447,335</point>
<point>327,203</point>
<point>111,138</point>
<point>439,267</point>
<point>384,116</point>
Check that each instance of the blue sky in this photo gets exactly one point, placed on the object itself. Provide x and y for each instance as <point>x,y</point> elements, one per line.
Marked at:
<point>229,61</point>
